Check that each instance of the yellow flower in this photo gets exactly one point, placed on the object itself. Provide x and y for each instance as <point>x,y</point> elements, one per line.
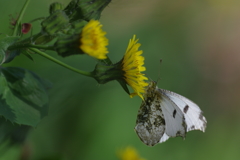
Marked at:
<point>93,40</point>
<point>133,66</point>
<point>129,153</point>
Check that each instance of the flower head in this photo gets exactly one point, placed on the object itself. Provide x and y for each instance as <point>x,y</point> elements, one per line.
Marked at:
<point>132,65</point>
<point>93,40</point>
<point>129,153</point>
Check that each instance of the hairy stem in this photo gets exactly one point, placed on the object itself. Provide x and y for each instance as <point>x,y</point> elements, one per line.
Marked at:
<point>88,74</point>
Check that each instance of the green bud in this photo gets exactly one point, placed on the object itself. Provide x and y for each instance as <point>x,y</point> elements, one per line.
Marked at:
<point>55,22</point>
<point>55,7</point>
<point>77,26</point>
<point>68,45</point>
<point>85,9</point>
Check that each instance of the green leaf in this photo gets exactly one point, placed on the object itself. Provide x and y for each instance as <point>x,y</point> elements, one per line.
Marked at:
<point>4,44</point>
<point>23,96</point>
<point>12,133</point>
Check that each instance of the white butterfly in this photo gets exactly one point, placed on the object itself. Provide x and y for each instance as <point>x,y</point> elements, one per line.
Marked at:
<point>165,114</point>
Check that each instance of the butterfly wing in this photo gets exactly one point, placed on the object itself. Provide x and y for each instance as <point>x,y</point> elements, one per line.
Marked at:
<point>150,124</point>
<point>174,118</point>
<point>164,138</point>
<point>165,114</point>
<point>192,113</point>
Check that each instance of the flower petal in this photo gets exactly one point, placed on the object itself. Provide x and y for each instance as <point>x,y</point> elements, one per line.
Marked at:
<point>133,66</point>
<point>93,40</point>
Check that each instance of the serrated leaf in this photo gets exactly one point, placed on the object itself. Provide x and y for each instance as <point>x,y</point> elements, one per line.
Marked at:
<point>4,44</point>
<point>23,96</point>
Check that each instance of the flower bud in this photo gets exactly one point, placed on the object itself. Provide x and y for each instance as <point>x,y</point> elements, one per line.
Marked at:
<point>26,27</point>
<point>55,7</point>
<point>55,22</point>
<point>85,9</point>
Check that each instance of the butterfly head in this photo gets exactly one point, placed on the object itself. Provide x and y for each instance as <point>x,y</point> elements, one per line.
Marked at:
<point>152,85</point>
<point>150,89</point>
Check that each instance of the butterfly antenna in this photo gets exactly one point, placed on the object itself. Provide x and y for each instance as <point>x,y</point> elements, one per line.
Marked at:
<point>158,79</point>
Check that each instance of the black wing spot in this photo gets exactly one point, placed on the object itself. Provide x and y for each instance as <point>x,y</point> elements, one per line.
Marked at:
<point>185,109</point>
<point>174,113</point>
<point>201,117</point>
<point>192,127</point>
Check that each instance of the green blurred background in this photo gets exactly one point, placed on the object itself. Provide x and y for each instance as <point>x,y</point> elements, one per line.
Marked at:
<point>199,44</point>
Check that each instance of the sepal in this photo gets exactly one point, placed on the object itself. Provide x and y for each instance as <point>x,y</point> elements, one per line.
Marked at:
<point>85,9</point>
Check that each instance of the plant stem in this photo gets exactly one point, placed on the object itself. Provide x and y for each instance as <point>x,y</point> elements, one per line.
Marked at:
<point>20,18</point>
<point>17,46</point>
<point>89,74</point>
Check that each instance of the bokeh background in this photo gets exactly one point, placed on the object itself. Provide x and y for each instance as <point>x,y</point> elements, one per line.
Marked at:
<point>198,42</point>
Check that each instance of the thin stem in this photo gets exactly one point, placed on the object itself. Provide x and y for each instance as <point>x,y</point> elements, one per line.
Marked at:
<point>41,47</point>
<point>89,74</point>
<point>36,19</point>
<point>17,46</point>
<point>20,17</point>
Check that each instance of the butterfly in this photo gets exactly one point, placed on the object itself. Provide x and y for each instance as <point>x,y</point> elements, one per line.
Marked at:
<point>164,114</point>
